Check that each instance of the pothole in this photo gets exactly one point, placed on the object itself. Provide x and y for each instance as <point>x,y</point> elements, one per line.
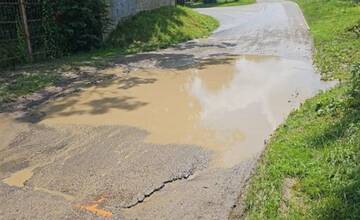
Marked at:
<point>229,105</point>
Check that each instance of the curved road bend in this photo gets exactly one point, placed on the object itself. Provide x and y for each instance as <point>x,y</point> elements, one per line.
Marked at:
<point>174,134</point>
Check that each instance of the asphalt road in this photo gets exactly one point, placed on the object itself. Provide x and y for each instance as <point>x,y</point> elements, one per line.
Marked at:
<point>174,134</point>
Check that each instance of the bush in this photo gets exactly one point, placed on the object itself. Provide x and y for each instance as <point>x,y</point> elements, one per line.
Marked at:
<point>13,52</point>
<point>79,25</point>
<point>67,27</point>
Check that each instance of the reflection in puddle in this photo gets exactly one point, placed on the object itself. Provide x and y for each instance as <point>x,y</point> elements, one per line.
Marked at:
<point>229,106</point>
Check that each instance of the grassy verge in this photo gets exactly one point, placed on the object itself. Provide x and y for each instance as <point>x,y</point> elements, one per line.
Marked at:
<point>336,46</point>
<point>222,3</point>
<point>146,31</point>
<point>311,168</point>
<point>160,28</point>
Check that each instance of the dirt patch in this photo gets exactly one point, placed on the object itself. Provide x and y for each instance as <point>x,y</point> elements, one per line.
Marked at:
<point>287,195</point>
<point>291,196</point>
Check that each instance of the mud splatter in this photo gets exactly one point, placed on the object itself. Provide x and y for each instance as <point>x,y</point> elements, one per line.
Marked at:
<point>19,178</point>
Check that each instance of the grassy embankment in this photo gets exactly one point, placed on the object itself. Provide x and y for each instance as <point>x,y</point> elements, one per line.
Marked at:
<point>146,31</point>
<point>311,168</point>
<point>221,3</point>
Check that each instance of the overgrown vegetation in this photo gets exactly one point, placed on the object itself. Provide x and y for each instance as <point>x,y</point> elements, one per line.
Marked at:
<point>12,38</point>
<point>311,168</point>
<point>56,28</point>
<point>160,28</point>
<point>220,3</point>
<point>78,25</point>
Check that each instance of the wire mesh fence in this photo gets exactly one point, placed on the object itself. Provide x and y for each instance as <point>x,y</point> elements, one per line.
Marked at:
<point>21,31</point>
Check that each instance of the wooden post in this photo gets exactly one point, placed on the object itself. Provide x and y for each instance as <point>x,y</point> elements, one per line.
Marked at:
<point>26,29</point>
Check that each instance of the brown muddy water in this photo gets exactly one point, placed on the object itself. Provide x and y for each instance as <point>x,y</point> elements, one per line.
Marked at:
<point>227,105</point>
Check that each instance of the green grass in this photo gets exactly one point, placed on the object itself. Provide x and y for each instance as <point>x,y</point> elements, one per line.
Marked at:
<point>336,48</point>
<point>317,149</point>
<point>145,31</point>
<point>20,84</point>
<point>221,3</point>
<point>160,28</point>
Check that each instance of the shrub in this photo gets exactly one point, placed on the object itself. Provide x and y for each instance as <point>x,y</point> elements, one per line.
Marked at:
<point>13,51</point>
<point>79,25</point>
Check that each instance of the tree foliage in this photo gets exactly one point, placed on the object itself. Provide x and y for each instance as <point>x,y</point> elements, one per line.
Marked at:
<point>78,25</point>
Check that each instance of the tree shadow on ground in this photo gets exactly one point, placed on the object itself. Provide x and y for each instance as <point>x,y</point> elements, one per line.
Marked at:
<point>34,112</point>
<point>135,81</point>
<point>175,61</point>
<point>94,107</point>
<point>74,79</point>
<point>157,60</point>
<point>195,45</point>
<point>97,106</point>
<point>103,105</point>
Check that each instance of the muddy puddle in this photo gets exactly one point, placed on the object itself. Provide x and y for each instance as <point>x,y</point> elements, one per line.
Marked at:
<point>227,105</point>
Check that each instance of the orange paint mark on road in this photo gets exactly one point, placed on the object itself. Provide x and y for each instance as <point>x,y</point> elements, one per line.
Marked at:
<point>93,207</point>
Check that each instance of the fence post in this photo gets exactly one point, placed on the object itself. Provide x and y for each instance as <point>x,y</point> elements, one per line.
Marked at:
<point>26,29</point>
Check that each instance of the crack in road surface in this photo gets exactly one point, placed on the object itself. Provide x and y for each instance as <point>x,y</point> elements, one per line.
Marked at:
<point>154,119</point>
<point>147,195</point>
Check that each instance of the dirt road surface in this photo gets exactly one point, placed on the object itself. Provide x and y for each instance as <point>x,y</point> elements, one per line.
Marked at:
<point>171,134</point>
